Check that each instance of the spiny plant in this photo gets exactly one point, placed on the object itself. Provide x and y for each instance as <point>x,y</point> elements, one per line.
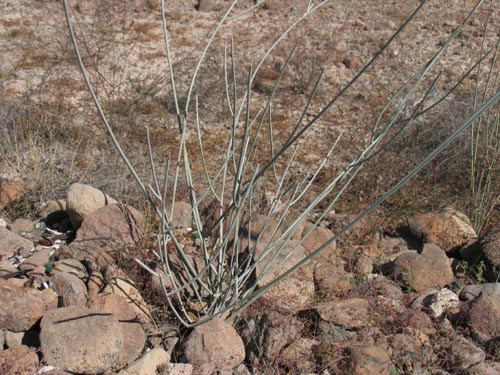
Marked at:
<point>239,258</point>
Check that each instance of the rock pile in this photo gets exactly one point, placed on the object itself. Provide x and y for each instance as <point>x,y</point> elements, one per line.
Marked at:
<point>397,305</point>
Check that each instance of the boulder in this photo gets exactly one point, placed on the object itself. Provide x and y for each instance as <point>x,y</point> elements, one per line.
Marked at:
<point>70,289</point>
<point>83,200</point>
<point>148,364</point>
<point>215,343</point>
<point>81,340</point>
<point>104,232</point>
<point>21,308</point>
<point>134,337</point>
<point>428,270</point>
<point>20,360</point>
<point>11,242</point>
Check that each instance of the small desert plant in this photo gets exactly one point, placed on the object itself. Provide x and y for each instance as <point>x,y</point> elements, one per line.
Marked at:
<point>485,144</point>
<point>241,258</point>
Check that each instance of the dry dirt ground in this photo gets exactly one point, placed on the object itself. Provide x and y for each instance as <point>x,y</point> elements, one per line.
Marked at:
<point>53,136</point>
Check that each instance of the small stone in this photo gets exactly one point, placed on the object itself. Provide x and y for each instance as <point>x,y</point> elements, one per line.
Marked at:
<point>464,353</point>
<point>71,266</point>
<point>11,242</point>
<point>369,359</point>
<point>215,343</point>
<point>20,308</point>
<point>20,360</point>
<point>70,289</point>
<point>351,313</point>
<point>148,363</point>
<point>39,258</point>
<point>22,225</point>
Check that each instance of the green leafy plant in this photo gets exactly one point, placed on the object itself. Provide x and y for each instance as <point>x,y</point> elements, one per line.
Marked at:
<point>240,258</point>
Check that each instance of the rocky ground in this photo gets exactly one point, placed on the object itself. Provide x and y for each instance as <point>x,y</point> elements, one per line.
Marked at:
<point>69,303</point>
<point>402,293</point>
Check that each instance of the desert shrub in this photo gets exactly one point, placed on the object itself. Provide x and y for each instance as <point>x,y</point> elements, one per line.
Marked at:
<point>259,169</point>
